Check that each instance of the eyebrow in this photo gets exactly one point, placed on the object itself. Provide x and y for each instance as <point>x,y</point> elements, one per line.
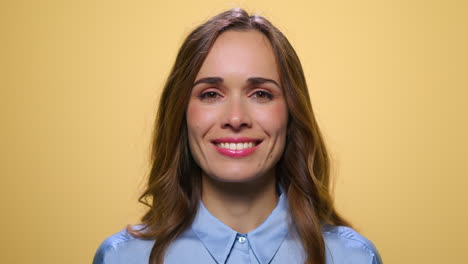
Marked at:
<point>260,80</point>
<point>251,81</point>
<point>209,80</point>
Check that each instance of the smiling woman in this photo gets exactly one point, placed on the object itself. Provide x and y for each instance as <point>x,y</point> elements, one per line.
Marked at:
<point>240,173</point>
<point>241,103</point>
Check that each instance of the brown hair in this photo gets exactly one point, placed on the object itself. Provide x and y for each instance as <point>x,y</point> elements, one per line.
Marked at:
<point>173,190</point>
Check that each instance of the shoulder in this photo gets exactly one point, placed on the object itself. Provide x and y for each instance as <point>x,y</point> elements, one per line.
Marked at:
<point>122,247</point>
<point>346,244</point>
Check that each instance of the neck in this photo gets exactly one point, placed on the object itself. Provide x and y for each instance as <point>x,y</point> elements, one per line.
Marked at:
<point>241,206</point>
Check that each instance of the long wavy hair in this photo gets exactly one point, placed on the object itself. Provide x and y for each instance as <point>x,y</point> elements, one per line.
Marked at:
<point>174,185</point>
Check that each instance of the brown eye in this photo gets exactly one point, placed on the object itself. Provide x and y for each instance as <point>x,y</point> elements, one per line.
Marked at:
<point>262,96</point>
<point>209,96</point>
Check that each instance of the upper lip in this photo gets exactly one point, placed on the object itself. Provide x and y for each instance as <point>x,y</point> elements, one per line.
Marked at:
<point>236,140</point>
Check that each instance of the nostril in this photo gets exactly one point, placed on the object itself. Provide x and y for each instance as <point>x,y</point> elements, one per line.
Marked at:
<point>235,125</point>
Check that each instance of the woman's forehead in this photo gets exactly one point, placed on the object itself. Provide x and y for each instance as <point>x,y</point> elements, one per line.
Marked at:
<point>241,54</point>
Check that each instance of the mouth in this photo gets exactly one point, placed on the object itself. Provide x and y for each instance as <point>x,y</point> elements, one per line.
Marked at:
<point>236,147</point>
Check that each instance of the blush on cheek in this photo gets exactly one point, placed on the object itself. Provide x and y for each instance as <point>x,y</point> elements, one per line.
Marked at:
<point>194,116</point>
<point>200,114</point>
<point>200,119</point>
<point>274,117</point>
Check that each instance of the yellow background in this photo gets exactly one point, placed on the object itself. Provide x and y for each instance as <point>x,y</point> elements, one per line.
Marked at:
<point>80,82</point>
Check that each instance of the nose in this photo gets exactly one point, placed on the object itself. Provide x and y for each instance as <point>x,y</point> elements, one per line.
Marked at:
<point>237,115</point>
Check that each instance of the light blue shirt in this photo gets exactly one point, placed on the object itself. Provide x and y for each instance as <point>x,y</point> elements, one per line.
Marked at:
<point>209,241</point>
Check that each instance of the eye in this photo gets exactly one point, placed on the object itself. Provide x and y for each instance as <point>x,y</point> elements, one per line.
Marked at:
<point>209,96</point>
<point>262,96</point>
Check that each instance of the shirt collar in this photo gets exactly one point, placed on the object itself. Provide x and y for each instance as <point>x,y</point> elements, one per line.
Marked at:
<point>264,241</point>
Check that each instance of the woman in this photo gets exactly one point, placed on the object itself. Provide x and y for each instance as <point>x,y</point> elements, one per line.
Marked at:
<point>240,173</point>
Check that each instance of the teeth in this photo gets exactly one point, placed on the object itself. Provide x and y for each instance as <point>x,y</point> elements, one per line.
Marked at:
<point>236,146</point>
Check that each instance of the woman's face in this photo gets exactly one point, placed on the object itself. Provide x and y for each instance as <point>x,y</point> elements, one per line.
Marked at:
<point>237,115</point>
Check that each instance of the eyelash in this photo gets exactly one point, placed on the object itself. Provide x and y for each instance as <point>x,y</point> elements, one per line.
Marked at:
<point>266,94</point>
<point>211,96</point>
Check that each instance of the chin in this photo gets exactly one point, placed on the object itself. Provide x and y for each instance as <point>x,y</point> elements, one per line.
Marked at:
<point>235,176</point>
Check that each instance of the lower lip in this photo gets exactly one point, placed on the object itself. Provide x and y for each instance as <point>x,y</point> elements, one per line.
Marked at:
<point>236,153</point>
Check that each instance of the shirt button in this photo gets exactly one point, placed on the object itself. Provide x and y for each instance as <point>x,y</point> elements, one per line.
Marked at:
<point>241,239</point>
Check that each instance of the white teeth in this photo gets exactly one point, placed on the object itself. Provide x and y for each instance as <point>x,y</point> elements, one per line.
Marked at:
<point>236,146</point>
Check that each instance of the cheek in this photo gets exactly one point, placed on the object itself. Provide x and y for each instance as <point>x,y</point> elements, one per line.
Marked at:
<point>199,120</point>
<point>274,119</point>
